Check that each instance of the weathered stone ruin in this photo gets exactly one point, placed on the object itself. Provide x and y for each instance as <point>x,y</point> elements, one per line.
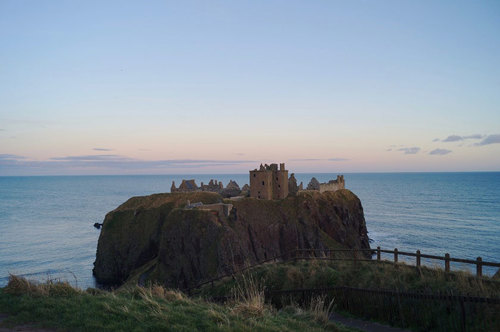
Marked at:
<point>313,185</point>
<point>219,209</point>
<point>332,185</point>
<point>186,186</point>
<point>293,188</point>
<point>269,182</point>
<point>212,186</point>
<point>232,189</point>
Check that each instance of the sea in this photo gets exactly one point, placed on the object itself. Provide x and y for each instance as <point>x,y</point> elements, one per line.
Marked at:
<point>46,222</point>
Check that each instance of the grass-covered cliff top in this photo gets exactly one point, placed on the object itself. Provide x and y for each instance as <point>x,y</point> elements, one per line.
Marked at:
<point>178,199</point>
<point>59,306</point>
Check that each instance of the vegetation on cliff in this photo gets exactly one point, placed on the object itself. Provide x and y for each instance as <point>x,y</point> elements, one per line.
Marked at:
<point>188,246</point>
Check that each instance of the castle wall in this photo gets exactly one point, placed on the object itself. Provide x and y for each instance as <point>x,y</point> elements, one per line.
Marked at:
<point>261,184</point>
<point>280,184</point>
<point>333,185</point>
<point>220,208</point>
<point>269,182</point>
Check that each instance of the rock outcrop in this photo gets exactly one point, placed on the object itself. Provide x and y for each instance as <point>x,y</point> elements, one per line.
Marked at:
<point>192,245</point>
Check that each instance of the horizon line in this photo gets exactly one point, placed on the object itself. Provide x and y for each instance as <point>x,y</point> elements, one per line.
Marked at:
<point>204,174</point>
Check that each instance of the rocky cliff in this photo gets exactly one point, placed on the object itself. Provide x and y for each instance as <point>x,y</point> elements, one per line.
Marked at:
<point>182,247</point>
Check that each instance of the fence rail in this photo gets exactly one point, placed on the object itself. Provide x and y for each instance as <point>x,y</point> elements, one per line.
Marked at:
<point>411,295</point>
<point>446,258</point>
<point>330,255</point>
<point>461,313</point>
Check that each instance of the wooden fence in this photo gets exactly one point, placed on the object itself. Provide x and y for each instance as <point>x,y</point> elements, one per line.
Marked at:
<point>329,254</point>
<point>446,311</point>
<point>356,255</point>
<point>438,311</point>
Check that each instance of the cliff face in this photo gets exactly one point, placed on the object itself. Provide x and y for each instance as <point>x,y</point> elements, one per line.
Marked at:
<point>193,245</point>
<point>130,235</point>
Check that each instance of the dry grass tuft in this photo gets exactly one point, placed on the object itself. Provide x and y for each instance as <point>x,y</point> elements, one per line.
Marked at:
<point>21,286</point>
<point>249,297</point>
<point>167,294</point>
<point>320,309</point>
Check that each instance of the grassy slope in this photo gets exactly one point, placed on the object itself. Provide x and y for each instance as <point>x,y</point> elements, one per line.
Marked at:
<point>419,315</point>
<point>137,309</point>
<point>383,275</point>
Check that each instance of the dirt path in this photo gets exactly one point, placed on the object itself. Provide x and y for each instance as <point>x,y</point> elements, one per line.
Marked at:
<point>364,325</point>
<point>21,328</point>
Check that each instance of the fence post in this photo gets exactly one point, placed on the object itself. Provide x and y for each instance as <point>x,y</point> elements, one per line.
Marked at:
<point>462,312</point>
<point>395,255</point>
<point>378,253</point>
<point>447,262</point>
<point>418,258</point>
<point>479,267</point>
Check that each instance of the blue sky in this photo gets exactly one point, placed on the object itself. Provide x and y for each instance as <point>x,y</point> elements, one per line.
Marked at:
<point>119,87</point>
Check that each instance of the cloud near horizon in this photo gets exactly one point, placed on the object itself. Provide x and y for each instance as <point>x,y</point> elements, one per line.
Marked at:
<point>439,152</point>
<point>6,156</point>
<point>412,150</point>
<point>490,139</point>
<point>102,149</point>
<point>109,162</point>
<point>457,138</point>
<point>319,159</point>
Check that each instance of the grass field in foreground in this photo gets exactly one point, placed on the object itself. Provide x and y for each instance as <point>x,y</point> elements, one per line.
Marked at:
<point>58,305</point>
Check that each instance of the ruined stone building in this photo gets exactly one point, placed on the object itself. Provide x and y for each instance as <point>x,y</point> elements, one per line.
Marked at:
<point>186,186</point>
<point>332,185</point>
<point>269,182</point>
<point>293,188</point>
<point>232,188</point>
<point>220,209</point>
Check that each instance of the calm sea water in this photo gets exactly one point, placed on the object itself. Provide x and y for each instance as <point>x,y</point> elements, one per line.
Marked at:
<point>46,223</point>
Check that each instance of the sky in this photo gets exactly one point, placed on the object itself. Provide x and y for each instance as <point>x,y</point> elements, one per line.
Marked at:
<point>205,87</point>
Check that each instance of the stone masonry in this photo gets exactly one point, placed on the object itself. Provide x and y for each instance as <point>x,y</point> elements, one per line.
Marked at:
<point>269,182</point>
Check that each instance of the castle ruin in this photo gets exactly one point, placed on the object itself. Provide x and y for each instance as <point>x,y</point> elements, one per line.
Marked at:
<point>333,185</point>
<point>232,189</point>
<point>269,182</point>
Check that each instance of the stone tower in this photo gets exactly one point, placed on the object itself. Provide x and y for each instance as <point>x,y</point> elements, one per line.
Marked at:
<point>269,182</point>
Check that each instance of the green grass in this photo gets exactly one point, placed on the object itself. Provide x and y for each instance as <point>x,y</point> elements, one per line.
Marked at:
<point>383,275</point>
<point>58,305</point>
<point>419,315</point>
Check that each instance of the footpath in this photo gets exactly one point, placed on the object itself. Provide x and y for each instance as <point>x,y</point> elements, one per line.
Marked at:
<point>363,325</point>
<point>359,324</point>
